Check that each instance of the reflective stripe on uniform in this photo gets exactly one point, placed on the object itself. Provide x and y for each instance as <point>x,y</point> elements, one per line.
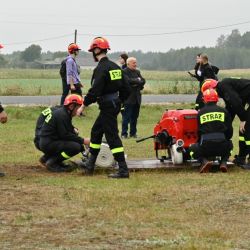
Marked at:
<point>241,138</point>
<point>64,155</point>
<point>46,111</point>
<point>117,150</point>
<point>191,154</point>
<point>115,74</point>
<point>212,116</point>
<point>95,146</point>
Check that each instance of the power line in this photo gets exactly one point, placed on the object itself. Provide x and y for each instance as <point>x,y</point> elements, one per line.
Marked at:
<point>167,33</point>
<point>40,40</point>
<point>131,35</point>
<point>79,25</point>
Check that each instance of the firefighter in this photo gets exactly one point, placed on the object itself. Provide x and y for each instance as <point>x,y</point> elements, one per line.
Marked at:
<point>3,116</point>
<point>236,94</point>
<point>108,88</point>
<point>40,121</point>
<point>215,132</point>
<point>3,119</point>
<point>70,73</point>
<point>58,138</point>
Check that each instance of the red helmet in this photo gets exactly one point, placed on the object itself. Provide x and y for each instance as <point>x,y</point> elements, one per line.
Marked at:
<point>209,84</point>
<point>73,47</point>
<point>99,42</point>
<point>210,95</point>
<point>1,46</point>
<point>73,99</point>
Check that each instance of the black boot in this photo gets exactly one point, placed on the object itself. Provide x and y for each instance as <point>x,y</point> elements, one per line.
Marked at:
<point>2,174</point>
<point>241,162</point>
<point>88,165</point>
<point>43,160</point>
<point>55,164</point>
<point>122,172</point>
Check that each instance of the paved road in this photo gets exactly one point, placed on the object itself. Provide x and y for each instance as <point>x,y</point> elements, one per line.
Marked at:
<point>54,100</point>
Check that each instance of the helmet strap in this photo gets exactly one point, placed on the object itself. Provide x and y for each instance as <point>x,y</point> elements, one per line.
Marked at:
<point>71,110</point>
<point>102,51</point>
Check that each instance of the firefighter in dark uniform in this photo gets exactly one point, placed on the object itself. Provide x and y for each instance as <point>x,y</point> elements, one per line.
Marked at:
<point>3,119</point>
<point>58,139</point>
<point>215,131</point>
<point>108,88</point>
<point>39,123</point>
<point>236,94</point>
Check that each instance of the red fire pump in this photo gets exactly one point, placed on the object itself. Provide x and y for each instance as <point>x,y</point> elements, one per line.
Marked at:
<point>174,133</point>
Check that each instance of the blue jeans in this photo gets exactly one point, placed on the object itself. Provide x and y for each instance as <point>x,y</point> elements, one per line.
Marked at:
<point>129,116</point>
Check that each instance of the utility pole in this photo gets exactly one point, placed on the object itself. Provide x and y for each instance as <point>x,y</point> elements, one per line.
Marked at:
<point>75,36</point>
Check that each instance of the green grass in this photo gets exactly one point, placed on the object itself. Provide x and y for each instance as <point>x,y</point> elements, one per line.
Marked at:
<point>163,209</point>
<point>48,82</point>
<point>22,123</point>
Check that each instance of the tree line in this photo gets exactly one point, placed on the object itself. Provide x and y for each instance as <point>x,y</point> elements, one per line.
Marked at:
<point>230,52</point>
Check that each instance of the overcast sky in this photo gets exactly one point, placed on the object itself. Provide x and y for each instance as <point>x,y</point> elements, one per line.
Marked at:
<point>51,23</point>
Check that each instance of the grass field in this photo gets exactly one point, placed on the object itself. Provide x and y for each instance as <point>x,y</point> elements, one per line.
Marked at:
<point>48,82</point>
<point>163,209</point>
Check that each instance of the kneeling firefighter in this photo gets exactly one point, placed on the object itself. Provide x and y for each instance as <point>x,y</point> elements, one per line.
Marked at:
<point>109,89</point>
<point>59,140</point>
<point>236,95</point>
<point>215,131</point>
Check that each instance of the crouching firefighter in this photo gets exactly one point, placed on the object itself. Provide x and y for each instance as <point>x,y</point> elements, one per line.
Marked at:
<point>108,88</point>
<point>236,94</point>
<point>215,131</point>
<point>59,139</point>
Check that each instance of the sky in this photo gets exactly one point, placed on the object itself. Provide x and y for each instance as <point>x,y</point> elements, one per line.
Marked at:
<point>145,25</point>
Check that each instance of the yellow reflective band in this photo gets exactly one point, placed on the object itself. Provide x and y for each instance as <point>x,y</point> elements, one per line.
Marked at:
<point>117,150</point>
<point>196,105</point>
<point>191,154</point>
<point>235,77</point>
<point>49,116</point>
<point>46,111</point>
<point>248,143</point>
<point>241,138</point>
<point>64,155</point>
<point>115,74</point>
<point>95,146</point>
<point>212,116</point>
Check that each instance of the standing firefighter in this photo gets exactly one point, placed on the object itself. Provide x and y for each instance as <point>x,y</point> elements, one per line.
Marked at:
<point>69,72</point>
<point>215,131</point>
<point>3,115</point>
<point>236,94</point>
<point>108,88</point>
<point>3,119</point>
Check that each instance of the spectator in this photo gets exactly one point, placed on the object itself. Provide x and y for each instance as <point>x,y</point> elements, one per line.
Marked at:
<point>70,73</point>
<point>133,102</point>
<point>123,60</point>
<point>203,70</point>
